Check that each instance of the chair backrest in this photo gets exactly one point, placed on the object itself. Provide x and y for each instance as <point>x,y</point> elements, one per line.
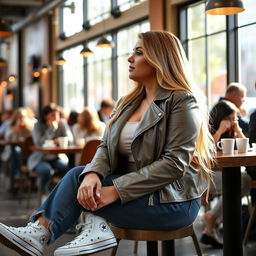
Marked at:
<point>89,151</point>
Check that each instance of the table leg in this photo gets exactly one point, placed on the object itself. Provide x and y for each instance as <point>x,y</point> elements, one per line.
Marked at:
<point>232,212</point>
<point>152,248</point>
<point>168,248</point>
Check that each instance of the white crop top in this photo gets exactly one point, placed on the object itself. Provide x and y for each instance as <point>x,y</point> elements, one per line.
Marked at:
<point>126,138</point>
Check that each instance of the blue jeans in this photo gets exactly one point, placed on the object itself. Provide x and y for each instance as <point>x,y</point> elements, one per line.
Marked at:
<point>62,209</point>
<point>46,169</point>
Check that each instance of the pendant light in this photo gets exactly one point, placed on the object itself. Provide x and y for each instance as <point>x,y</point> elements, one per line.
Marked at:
<point>104,43</point>
<point>224,7</point>
<point>3,62</point>
<point>5,29</point>
<point>86,51</point>
<point>45,68</point>
<point>60,61</point>
<point>11,78</point>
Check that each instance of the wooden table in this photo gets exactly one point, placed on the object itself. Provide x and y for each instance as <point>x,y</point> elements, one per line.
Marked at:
<point>70,151</point>
<point>231,186</point>
<point>59,150</point>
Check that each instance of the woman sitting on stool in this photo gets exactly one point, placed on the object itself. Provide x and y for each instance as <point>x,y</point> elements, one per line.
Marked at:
<point>150,170</point>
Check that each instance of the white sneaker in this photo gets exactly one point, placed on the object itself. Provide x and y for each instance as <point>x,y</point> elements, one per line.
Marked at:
<point>96,236</point>
<point>27,241</point>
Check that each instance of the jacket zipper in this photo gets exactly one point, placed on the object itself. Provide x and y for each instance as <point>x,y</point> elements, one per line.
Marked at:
<point>151,200</point>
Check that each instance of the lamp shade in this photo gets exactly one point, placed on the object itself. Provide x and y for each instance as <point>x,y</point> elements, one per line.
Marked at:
<point>12,78</point>
<point>86,51</point>
<point>104,43</point>
<point>60,61</point>
<point>3,62</point>
<point>224,7</point>
<point>5,29</point>
<point>45,68</point>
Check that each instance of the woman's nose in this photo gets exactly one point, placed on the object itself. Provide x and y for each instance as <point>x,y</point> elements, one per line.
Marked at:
<point>130,59</point>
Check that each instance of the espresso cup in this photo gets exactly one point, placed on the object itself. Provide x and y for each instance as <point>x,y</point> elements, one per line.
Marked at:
<point>49,143</point>
<point>226,145</point>
<point>242,145</point>
<point>63,142</point>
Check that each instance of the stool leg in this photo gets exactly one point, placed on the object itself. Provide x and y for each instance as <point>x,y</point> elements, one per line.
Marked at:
<point>135,248</point>
<point>249,225</point>
<point>196,244</point>
<point>114,250</point>
<point>168,248</point>
<point>152,248</point>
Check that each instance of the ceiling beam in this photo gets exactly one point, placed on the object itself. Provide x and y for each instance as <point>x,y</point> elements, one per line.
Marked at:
<point>35,3</point>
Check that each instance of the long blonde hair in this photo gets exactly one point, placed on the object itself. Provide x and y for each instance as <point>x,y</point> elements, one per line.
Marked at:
<point>90,120</point>
<point>164,52</point>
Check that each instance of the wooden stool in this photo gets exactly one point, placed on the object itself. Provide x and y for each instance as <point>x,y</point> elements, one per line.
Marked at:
<point>152,236</point>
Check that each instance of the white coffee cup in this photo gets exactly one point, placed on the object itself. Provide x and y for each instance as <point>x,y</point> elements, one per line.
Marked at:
<point>226,145</point>
<point>254,147</point>
<point>63,142</point>
<point>242,145</point>
<point>49,143</point>
<point>80,142</point>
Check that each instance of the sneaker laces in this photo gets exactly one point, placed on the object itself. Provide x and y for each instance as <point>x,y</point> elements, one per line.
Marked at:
<point>31,227</point>
<point>86,229</point>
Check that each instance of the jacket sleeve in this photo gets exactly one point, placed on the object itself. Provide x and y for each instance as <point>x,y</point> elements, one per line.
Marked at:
<point>182,128</point>
<point>252,127</point>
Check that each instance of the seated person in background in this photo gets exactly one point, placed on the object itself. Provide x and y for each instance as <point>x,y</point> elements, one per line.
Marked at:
<point>6,119</point>
<point>72,118</point>
<point>49,127</point>
<point>88,127</point>
<point>236,93</point>
<point>251,170</point>
<point>21,124</point>
<point>149,172</point>
<point>223,124</point>
<point>106,108</point>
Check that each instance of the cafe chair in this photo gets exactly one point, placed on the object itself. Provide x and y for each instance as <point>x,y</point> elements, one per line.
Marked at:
<point>154,235</point>
<point>26,175</point>
<point>252,217</point>
<point>89,151</point>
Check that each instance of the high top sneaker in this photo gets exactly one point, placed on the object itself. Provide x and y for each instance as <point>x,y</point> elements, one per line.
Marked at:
<point>27,241</point>
<point>95,236</point>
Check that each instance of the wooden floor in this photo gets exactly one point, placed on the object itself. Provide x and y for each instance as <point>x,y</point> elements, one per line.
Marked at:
<point>15,214</point>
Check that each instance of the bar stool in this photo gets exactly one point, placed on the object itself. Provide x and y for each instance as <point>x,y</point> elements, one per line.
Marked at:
<point>152,236</point>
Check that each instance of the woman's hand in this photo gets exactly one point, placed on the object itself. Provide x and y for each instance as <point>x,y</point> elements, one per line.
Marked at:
<point>108,196</point>
<point>225,125</point>
<point>237,130</point>
<point>89,191</point>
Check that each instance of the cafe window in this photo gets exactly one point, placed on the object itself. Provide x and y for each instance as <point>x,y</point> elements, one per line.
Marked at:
<point>126,4</point>
<point>99,73</point>
<point>126,39</point>
<point>247,51</point>
<point>98,10</point>
<point>204,39</point>
<point>72,10</point>
<point>73,79</point>
<point>207,40</point>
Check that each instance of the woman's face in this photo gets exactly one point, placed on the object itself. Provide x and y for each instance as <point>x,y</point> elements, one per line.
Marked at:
<point>52,116</point>
<point>80,119</point>
<point>232,118</point>
<point>22,118</point>
<point>139,69</point>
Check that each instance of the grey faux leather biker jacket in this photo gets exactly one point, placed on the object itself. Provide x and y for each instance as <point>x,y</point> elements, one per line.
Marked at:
<point>162,148</point>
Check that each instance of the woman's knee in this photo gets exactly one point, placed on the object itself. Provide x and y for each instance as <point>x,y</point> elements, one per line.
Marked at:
<point>75,172</point>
